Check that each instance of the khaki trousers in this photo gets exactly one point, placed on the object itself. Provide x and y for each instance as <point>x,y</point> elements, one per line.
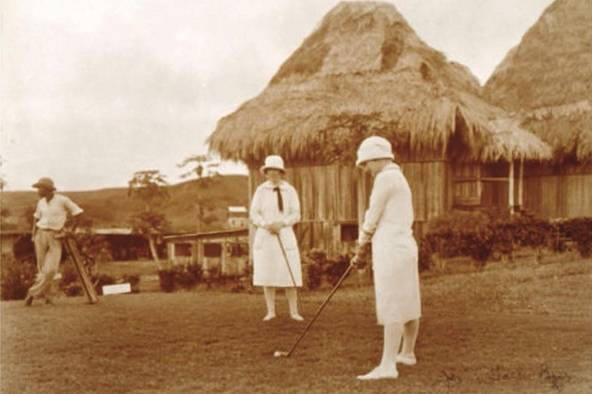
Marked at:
<point>48,251</point>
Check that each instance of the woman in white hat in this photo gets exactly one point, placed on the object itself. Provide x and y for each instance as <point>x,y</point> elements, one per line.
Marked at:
<point>388,226</point>
<point>276,260</point>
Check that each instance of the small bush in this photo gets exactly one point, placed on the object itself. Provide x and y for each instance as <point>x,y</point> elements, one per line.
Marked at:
<point>167,280</point>
<point>315,262</point>
<point>579,230</point>
<point>184,276</point>
<point>336,267</point>
<point>16,277</point>
<point>188,276</point>
<point>133,280</point>
<point>102,280</point>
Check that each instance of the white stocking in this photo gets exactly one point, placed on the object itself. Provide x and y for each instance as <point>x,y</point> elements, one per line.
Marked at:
<point>269,293</point>
<point>387,369</point>
<point>292,296</point>
<point>409,337</point>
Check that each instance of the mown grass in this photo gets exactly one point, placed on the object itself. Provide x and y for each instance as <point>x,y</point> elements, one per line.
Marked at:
<point>505,330</point>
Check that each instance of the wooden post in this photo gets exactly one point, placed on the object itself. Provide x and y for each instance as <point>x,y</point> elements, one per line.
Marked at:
<point>511,187</point>
<point>479,186</point>
<point>521,184</point>
<point>171,253</point>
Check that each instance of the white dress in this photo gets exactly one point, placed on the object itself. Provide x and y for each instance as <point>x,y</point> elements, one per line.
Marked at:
<point>269,265</point>
<point>388,224</point>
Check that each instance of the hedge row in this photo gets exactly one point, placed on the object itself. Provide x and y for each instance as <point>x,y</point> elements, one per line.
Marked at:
<point>481,234</point>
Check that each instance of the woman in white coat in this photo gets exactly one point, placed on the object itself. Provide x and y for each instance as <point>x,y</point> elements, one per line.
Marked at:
<point>275,208</point>
<point>388,226</point>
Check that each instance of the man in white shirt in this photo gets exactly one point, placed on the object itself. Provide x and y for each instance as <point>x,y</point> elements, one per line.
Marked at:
<point>50,218</point>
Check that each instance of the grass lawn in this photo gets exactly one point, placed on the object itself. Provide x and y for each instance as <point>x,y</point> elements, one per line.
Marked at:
<point>508,329</point>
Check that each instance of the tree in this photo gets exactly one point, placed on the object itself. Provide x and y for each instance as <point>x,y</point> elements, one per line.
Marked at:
<point>205,168</point>
<point>151,189</point>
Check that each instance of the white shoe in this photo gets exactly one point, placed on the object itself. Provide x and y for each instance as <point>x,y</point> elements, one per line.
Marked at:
<point>269,316</point>
<point>380,372</point>
<point>406,359</point>
<point>296,317</point>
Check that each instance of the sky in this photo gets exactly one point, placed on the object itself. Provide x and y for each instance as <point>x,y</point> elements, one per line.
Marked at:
<point>92,91</point>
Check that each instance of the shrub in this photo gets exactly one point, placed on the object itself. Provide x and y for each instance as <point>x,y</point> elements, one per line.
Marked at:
<point>336,267</point>
<point>133,280</point>
<point>101,280</point>
<point>185,276</point>
<point>69,282</point>
<point>167,280</point>
<point>315,262</point>
<point>16,277</point>
<point>580,231</point>
<point>480,234</point>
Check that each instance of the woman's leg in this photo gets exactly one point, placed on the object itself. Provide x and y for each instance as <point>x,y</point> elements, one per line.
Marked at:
<point>410,331</point>
<point>387,369</point>
<point>292,296</point>
<point>269,293</point>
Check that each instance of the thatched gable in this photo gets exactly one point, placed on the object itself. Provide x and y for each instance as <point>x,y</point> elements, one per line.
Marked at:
<point>364,71</point>
<point>547,79</point>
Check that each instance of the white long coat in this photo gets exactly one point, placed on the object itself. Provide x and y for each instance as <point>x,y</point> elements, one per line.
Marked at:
<point>269,265</point>
<point>388,224</point>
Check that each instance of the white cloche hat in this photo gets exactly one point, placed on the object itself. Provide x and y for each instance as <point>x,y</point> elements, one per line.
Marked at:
<point>374,148</point>
<point>273,162</point>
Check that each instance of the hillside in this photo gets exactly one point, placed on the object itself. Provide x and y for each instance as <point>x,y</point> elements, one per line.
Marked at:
<point>111,208</point>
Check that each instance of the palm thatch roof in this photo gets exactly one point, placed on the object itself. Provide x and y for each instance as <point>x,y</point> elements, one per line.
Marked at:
<point>547,79</point>
<point>363,72</point>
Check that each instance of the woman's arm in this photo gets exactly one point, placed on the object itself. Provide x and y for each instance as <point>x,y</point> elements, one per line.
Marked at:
<point>293,209</point>
<point>378,199</point>
<point>255,212</point>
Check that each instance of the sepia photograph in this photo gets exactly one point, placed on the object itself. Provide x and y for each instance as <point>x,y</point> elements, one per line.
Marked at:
<point>295,196</point>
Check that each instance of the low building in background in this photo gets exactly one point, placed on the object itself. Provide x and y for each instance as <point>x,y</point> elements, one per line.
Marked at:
<point>238,217</point>
<point>226,251</point>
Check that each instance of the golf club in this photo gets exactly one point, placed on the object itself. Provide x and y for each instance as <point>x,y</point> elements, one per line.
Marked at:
<point>286,259</point>
<point>279,353</point>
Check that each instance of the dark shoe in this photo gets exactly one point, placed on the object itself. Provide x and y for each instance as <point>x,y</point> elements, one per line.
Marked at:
<point>28,300</point>
<point>49,301</point>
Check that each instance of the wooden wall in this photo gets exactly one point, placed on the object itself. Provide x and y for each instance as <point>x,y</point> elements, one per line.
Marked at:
<point>335,195</point>
<point>558,191</point>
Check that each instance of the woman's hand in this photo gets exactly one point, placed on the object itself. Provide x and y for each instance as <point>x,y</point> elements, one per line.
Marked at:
<point>362,256</point>
<point>275,227</point>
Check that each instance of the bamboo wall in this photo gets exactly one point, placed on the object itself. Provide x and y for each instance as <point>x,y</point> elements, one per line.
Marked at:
<point>333,196</point>
<point>558,192</point>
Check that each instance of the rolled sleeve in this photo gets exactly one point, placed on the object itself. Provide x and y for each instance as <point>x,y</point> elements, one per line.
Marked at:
<point>72,208</point>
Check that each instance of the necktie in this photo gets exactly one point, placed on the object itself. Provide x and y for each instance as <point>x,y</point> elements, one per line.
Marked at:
<point>279,198</point>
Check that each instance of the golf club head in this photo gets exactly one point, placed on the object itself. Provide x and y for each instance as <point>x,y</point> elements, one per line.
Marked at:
<point>280,354</point>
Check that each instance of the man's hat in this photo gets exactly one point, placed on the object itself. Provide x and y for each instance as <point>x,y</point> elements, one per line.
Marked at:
<point>45,183</point>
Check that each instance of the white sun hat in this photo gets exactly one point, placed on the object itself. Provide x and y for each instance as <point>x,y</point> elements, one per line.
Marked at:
<point>273,162</point>
<point>374,148</point>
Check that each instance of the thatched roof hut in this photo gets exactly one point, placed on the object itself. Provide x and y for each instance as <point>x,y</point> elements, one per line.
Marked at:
<point>547,82</point>
<point>364,71</point>
<point>547,79</point>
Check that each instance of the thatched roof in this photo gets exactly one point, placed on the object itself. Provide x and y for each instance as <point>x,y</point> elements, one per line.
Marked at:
<point>364,71</point>
<point>547,79</point>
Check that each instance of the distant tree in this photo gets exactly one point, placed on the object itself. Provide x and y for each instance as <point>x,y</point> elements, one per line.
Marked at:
<point>150,188</point>
<point>4,212</point>
<point>28,216</point>
<point>205,169</point>
<point>202,166</point>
